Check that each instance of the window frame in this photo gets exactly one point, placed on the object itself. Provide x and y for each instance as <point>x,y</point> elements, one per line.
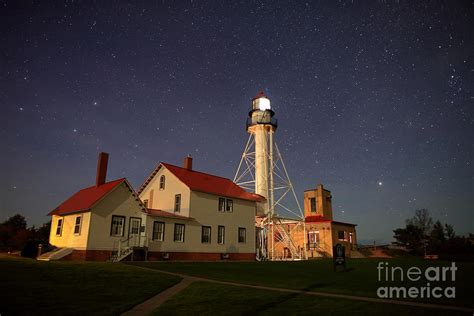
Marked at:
<point>59,227</point>
<point>123,225</point>
<point>162,185</point>
<point>203,228</point>
<point>227,208</point>
<point>219,235</point>
<point>311,201</point>
<point>221,206</point>
<point>339,235</point>
<point>244,236</point>
<point>183,232</point>
<point>177,203</point>
<point>162,231</point>
<point>76,225</point>
<point>130,225</point>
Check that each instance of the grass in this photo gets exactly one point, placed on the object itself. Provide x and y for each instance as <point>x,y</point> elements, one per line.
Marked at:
<point>202,298</point>
<point>31,287</point>
<point>361,277</point>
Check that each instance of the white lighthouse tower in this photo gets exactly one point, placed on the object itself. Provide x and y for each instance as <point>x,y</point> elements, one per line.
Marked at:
<point>261,170</point>
<point>261,125</point>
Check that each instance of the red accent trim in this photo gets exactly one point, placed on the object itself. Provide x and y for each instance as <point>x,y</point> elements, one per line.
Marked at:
<point>161,213</point>
<point>320,219</point>
<point>261,94</point>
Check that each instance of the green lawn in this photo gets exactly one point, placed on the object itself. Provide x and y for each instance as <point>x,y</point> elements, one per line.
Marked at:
<point>202,298</point>
<point>33,287</point>
<point>361,277</point>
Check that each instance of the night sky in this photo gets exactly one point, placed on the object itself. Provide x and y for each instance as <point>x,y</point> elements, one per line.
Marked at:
<point>374,99</point>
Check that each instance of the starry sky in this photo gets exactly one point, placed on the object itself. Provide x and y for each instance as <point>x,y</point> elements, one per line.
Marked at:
<point>374,99</point>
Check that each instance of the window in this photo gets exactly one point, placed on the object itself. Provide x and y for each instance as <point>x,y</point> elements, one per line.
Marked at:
<point>206,235</point>
<point>145,203</point>
<point>134,226</point>
<point>177,203</point>
<point>77,225</point>
<point>313,239</point>
<point>220,235</point>
<point>341,235</point>
<point>229,205</point>
<point>59,228</point>
<point>162,182</point>
<point>242,233</point>
<point>158,231</point>
<point>117,227</point>
<point>179,232</point>
<point>221,205</point>
<point>312,202</point>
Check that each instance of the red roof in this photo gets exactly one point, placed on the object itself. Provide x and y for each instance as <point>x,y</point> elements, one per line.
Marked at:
<point>261,94</point>
<point>206,183</point>
<point>161,213</point>
<point>320,219</point>
<point>84,199</point>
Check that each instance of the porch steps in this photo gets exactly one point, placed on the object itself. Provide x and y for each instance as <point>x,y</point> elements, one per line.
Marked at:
<point>55,254</point>
<point>118,256</point>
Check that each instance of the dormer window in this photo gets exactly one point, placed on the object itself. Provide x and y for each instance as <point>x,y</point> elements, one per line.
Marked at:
<point>162,182</point>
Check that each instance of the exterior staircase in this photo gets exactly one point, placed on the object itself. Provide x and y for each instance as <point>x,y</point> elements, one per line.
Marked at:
<point>55,254</point>
<point>126,247</point>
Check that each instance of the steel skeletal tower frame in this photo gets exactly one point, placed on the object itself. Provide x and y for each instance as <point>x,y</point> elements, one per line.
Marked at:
<point>262,170</point>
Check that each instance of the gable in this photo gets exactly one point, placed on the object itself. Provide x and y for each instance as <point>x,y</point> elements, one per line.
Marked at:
<point>85,199</point>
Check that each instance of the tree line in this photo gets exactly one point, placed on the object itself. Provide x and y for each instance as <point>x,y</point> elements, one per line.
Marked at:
<point>421,235</point>
<point>14,233</point>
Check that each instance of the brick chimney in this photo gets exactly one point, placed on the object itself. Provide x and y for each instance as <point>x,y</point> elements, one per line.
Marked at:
<point>101,168</point>
<point>188,163</point>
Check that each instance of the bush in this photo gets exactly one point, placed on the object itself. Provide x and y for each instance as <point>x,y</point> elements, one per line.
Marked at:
<point>30,250</point>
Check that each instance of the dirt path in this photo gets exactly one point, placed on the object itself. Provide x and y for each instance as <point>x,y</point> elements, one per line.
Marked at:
<point>148,306</point>
<point>153,303</point>
<point>378,253</point>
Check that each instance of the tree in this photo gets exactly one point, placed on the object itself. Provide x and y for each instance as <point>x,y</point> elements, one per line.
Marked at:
<point>422,220</point>
<point>449,231</point>
<point>16,222</point>
<point>437,237</point>
<point>42,233</point>
<point>410,237</point>
<point>13,232</point>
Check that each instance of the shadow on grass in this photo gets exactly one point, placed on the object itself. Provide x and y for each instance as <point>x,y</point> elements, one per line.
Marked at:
<point>284,299</point>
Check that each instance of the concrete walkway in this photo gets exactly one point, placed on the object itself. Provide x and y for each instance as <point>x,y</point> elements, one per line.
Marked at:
<point>148,306</point>
<point>153,303</point>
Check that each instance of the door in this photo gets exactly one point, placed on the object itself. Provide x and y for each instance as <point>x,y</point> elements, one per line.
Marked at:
<point>134,231</point>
